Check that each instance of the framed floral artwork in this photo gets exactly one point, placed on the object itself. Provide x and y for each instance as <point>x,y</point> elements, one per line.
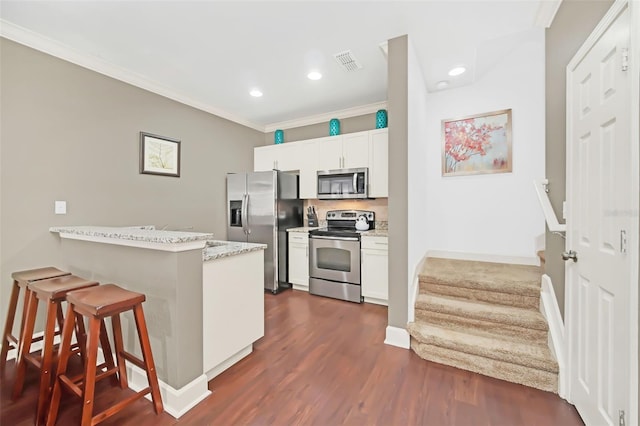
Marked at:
<point>477,144</point>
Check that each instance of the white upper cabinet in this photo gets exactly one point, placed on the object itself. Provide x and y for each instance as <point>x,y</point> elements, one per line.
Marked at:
<point>330,153</point>
<point>308,165</point>
<point>265,158</point>
<point>355,150</point>
<point>349,151</point>
<point>379,163</point>
<point>343,151</point>
<point>299,157</point>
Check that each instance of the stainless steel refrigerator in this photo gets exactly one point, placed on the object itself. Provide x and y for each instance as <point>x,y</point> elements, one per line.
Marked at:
<point>261,206</point>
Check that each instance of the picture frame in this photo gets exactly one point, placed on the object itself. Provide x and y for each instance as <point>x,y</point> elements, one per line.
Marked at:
<point>159,155</point>
<point>477,144</point>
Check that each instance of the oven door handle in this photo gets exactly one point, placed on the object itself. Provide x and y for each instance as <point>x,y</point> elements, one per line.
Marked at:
<point>322,237</point>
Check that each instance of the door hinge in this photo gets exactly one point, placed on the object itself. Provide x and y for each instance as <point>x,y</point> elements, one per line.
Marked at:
<point>621,418</point>
<point>623,241</point>
<point>625,59</point>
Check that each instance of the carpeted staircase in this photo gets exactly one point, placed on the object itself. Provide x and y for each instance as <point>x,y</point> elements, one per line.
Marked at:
<point>484,317</point>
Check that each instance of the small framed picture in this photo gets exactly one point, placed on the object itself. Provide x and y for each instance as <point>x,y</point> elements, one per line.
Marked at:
<point>477,144</point>
<point>159,155</point>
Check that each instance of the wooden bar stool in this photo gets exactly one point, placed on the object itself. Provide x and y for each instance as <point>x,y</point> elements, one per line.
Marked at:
<point>53,292</point>
<point>96,304</point>
<point>20,281</point>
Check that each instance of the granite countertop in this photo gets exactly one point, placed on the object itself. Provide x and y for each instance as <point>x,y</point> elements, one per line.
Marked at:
<point>375,233</point>
<point>302,229</point>
<point>133,233</point>
<point>216,249</point>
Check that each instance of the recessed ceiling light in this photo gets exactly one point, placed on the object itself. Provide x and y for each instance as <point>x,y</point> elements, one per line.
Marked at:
<point>314,75</point>
<point>442,84</point>
<point>255,93</point>
<point>457,71</point>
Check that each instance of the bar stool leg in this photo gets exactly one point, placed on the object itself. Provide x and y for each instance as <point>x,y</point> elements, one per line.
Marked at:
<point>65,352</point>
<point>47,361</point>
<point>8,325</point>
<point>106,350</point>
<point>152,376</point>
<point>25,343</point>
<point>88,390</point>
<point>81,336</point>
<point>116,327</point>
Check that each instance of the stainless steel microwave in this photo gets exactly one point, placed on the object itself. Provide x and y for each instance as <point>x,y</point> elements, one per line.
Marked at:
<point>343,184</point>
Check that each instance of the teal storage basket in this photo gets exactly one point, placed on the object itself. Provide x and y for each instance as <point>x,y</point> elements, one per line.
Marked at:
<point>278,136</point>
<point>334,127</point>
<point>381,119</point>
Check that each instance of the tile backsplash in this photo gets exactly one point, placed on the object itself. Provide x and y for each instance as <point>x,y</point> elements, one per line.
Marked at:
<point>378,205</point>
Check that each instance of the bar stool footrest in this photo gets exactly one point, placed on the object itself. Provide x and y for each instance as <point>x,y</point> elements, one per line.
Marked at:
<point>134,360</point>
<point>119,406</point>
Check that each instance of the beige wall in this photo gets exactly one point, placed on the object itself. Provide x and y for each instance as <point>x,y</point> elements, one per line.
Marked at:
<point>71,134</point>
<point>572,25</point>
<point>398,101</point>
<point>347,125</point>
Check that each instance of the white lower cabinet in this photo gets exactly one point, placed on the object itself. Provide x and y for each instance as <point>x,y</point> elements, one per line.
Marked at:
<point>299,260</point>
<point>375,266</point>
<point>233,315</point>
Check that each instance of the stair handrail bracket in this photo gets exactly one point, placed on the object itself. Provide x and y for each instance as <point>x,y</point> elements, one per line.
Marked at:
<point>547,209</point>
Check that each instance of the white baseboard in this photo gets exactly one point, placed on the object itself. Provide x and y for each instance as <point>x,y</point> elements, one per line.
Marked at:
<point>300,287</point>
<point>480,257</point>
<point>551,311</point>
<point>176,401</point>
<point>414,289</point>
<point>397,337</point>
<point>376,301</point>
<point>229,362</point>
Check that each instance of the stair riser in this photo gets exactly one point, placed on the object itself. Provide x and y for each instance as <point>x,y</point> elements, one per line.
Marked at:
<point>527,376</point>
<point>491,317</point>
<point>478,326</point>
<point>506,299</point>
<point>525,360</point>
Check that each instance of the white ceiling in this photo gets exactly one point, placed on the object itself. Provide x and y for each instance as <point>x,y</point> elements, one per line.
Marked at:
<point>209,54</point>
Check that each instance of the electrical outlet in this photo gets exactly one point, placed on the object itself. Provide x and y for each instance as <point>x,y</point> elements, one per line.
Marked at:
<point>60,207</point>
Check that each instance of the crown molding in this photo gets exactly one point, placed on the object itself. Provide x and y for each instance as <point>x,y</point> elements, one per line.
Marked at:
<point>546,12</point>
<point>324,117</point>
<point>51,47</point>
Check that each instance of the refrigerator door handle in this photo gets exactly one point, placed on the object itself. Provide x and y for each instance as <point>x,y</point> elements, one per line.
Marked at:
<point>245,213</point>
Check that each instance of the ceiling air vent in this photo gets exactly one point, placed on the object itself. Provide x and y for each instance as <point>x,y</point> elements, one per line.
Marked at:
<point>347,61</point>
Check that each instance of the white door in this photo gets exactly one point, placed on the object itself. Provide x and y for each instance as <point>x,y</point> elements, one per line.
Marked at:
<point>599,185</point>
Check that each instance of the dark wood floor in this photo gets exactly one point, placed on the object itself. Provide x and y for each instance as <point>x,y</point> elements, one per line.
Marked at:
<point>323,362</point>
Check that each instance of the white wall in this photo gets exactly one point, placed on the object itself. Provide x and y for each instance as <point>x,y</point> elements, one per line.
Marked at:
<point>495,214</point>
<point>417,186</point>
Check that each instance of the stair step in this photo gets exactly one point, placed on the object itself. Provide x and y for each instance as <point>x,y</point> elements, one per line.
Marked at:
<point>483,295</point>
<point>482,277</point>
<point>486,328</point>
<point>513,373</point>
<point>515,352</point>
<point>510,316</point>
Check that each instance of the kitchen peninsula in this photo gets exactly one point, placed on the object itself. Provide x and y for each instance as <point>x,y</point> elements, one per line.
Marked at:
<point>204,299</point>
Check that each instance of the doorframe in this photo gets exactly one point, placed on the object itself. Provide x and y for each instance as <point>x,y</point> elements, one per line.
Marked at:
<point>634,189</point>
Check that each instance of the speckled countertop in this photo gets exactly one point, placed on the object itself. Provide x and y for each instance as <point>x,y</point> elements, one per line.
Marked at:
<point>134,233</point>
<point>302,229</point>
<point>216,249</point>
<point>372,233</point>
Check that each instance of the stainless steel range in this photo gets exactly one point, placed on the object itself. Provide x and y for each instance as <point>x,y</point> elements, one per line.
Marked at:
<point>334,255</point>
